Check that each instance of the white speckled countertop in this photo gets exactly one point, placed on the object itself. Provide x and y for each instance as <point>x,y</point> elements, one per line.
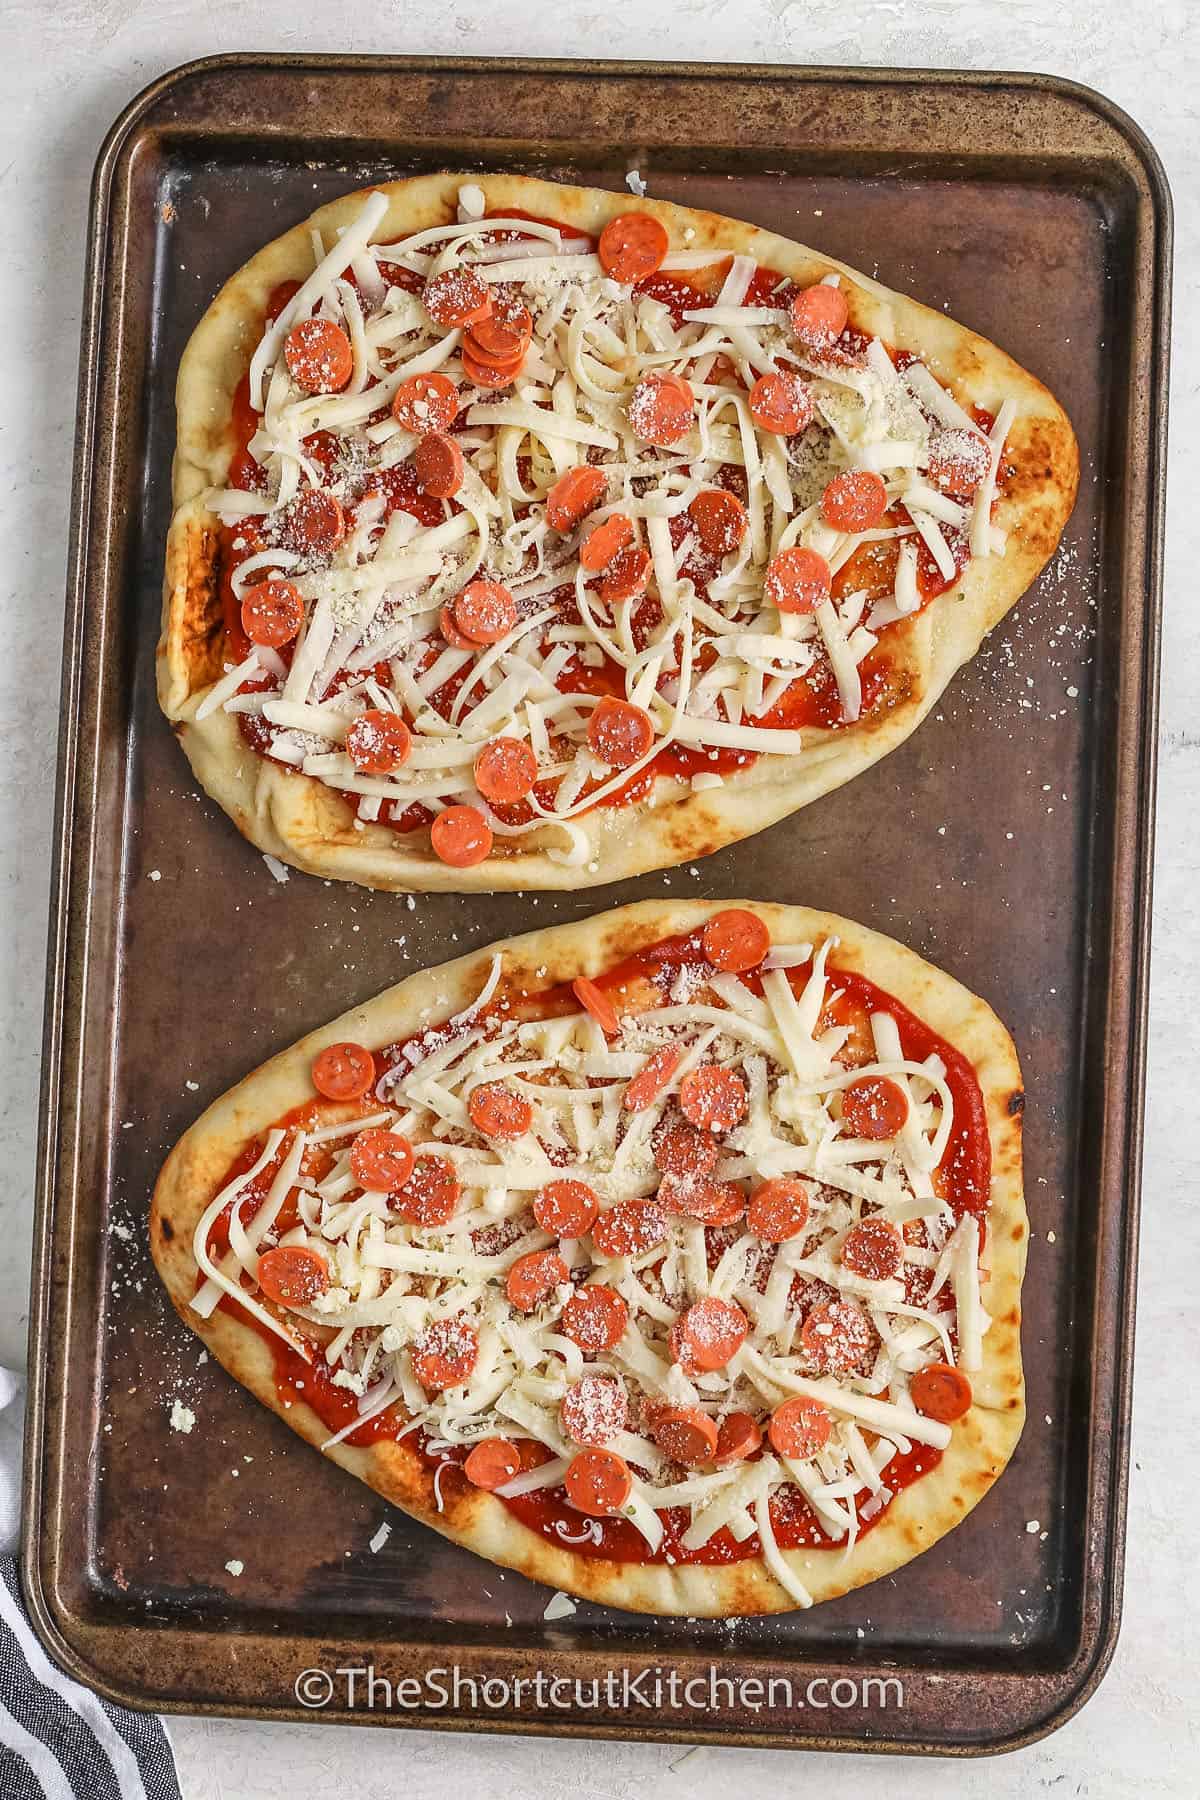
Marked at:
<point>67,69</point>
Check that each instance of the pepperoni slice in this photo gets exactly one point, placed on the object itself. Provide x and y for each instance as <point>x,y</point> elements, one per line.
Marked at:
<point>619,732</point>
<point>632,246</point>
<point>714,1331</point>
<point>778,1210</point>
<point>533,1278</point>
<point>498,1112</point>
<point>505,770</point>
<point>343,1071</point>
<point>595,1318</point>
<point>485,612</point>
<point>873,1250</point>
<point>957,462</point>
<point>855,500</point>
<point>685,1434</point>
<point>781,403</point>
<point>709,1202</point>
<point>426,403</point>
<point>661,409</point>
<point>314,523</point>
<point>941,1392</point>
<point>738,1437</point>
<point>381,1161</point>
<point>431,1193</point>
<point>800,1427</point>
<point>292,1274</point>
<point>489,375</point>
<point>837,1336</point>
<point>567,1209</point>
<point>504,334</point>
<point>596,1002</point>
<point>684,1151</point>
<point>490,1464</point>
<point>439,464</point>
<point>720,520</point>
<point>574,495</point>
<point>594,1410</point>
<point>819,316</point>
<point>378,742</point>
<point>319,356</point>
<point>598,1482</point>
<point>603,542</point>
<point>797,580</point>
<point>272,612</point>
<point>451,633</point>
<point>713,1098</point>
<point>456,297</point>
<point>629,1228</point>
<point>626,576</point>
<point>735,940</point>
<point>874,1108</point>
<point>445,1353</point>
<point>461,836</point>
<point>643,1089</point>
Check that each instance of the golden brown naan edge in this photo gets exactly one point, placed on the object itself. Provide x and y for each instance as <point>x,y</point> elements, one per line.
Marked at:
<point>297,819</point>
<point>922,1513</point>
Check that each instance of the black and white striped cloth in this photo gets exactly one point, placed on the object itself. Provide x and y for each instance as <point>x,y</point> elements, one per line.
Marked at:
<point>59,1741</point>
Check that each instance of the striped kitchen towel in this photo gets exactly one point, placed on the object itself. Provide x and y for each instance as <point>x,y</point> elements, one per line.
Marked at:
<point>59,1741</point>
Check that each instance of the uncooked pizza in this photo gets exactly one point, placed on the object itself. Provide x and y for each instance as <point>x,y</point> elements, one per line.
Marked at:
<point>673,1258</point>
<point>529,536</point>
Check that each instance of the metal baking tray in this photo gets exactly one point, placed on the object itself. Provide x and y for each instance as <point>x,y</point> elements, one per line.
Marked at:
<point>1009,840</point>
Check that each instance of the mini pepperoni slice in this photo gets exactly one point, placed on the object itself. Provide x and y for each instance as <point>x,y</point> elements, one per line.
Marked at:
<point>594,1410</point>
<point>819,316</point>
<point>708,1202</point>
<point>714,1099</point>
<point>461,836</point>
<point>505,770</point>
<point>445,1353</point>
<point>626,576</point>
<point>686,1152</point>
<point>456,297</point>
<point>603,542</point>
<point>941,1392</point>
<point>314,523</point>
<point>632,247</point>
<point>598,1482</point>
<point>595,1318</point>
<point>431,1194</point>
<point>643,1089</point>
<point>720,520</point>
<point>735,940</point>
<point>426,403</point>
<point>490,1464</point>
<point>485,611</point>
<point>874,1108</point>
<point>574,495</point>
<point>492,376</point>
<point>837,1335</point>
<point>343,1071</point>
<point>661,409</point>
<point>504,334</point>
<point>797,580</point>
<point>778,1210</point>
<point>380,1160</point>
<point>714,1331</point>
<point>739,1436</point>
<point>533,1278</point>
<point>439,464</point>
<point>685,1434</point>
<point>629,1228</point>
<point>319,356</point>
<point>499,1112</point>
<point>272,613</point>
<point>957,462</point>
<point>378,742</point>
<point>451,633</point>
<point>800,1427</point>
<point>780,402</point>
<point>874,1249</point>
<point>292,1274</point>
<point>619,732</point>
<point>567,1209</point>
<point>855,500</point>
<point>596,1002</point>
